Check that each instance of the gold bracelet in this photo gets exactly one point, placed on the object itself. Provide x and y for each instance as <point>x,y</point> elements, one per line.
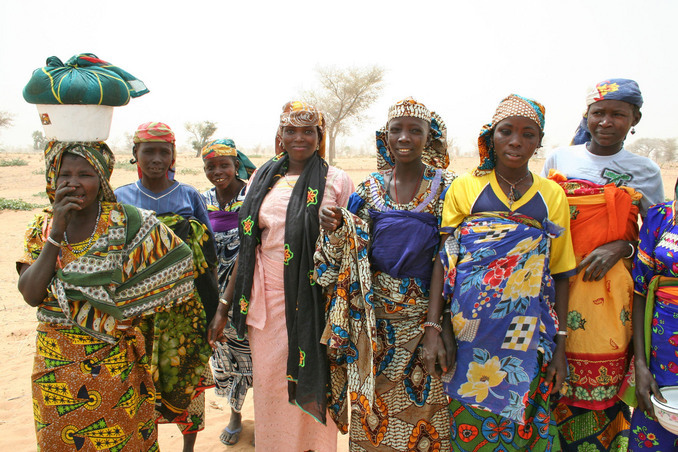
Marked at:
<point>224,301</point>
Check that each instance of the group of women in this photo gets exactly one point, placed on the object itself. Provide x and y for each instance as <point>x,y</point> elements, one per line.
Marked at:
<point>490,311</point>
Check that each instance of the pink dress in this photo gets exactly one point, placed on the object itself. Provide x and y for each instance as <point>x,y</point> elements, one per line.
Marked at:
<point>281,426</point>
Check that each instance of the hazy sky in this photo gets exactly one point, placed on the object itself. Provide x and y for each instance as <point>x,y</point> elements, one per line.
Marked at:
<point>237,63</point>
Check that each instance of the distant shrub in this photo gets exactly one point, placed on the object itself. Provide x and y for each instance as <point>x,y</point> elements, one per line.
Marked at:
<point>13,162</point>
<point>125,165</point>
<point>39,172</point>
<point>41,194</point>
<point>189,171</point>
<point>16,204</point>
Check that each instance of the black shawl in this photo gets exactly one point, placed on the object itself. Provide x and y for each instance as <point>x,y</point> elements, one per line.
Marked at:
<point>307,362</point>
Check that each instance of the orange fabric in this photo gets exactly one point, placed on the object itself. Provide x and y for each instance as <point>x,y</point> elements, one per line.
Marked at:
<point>599,312</point>
<point>599,219</point>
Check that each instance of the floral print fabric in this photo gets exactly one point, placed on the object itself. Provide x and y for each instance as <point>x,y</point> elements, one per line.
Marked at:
<point>656,258</point>
<point>502,295</point>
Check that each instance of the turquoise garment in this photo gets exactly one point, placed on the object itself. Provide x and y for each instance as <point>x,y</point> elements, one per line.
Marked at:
<point>84,79</point>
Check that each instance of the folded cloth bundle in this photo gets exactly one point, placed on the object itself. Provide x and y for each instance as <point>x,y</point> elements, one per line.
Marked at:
<point>84,79</point>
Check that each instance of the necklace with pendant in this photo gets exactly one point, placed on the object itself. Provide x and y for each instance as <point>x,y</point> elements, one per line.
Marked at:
<point>513,194</point>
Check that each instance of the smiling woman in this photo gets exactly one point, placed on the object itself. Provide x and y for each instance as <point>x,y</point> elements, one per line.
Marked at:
<point>276,301</point>
<point>397,211</point>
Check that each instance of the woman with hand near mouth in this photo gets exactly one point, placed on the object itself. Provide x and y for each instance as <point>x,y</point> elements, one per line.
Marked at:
<point>86,261</point>
<point>400,206</point>
<point>227,169</point>
<point>506,254</point>
<point>276,301</point>
<point>184,372</point>
<point>607,187</point>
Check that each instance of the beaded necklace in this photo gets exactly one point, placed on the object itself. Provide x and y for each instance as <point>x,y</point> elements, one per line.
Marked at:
<point>78,249</point>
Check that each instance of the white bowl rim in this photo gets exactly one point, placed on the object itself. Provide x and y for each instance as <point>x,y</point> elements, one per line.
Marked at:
<point>663,406</point>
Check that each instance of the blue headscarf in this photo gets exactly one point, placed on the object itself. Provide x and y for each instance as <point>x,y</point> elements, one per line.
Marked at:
<point>622,89</point>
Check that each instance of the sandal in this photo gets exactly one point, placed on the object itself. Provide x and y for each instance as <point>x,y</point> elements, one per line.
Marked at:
<point>230,437</point>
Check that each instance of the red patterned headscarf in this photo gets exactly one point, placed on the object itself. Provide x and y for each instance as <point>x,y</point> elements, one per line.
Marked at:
<point>157,132</point>
<point>301,114</point>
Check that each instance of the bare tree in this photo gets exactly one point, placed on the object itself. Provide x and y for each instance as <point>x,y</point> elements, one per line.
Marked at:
<point>6,119</point>
<point>343,97</point>
<point>659,150</point>
<point>201,132</point>
<point>39,140</point>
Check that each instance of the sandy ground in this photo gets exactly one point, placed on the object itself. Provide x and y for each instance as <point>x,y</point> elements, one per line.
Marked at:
<point>17,339</point>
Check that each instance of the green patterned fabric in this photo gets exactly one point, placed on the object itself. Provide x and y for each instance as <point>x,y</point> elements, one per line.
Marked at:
<point>84,79</point>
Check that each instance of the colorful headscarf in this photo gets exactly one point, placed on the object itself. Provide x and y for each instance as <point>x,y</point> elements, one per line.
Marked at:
<point>226,148</point>
<point>301,114</point>
<point>623,89</point>
<point>97,154</point>
<point>154,132</point>
<point>513,105</point>
<point>435,152</point>
<point>157,132</point>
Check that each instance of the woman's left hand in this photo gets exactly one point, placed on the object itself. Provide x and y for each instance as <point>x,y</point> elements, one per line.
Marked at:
<point>602,259</point>
<point>556,371</point>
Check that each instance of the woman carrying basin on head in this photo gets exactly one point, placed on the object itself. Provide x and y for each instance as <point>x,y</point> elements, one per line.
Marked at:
<point>95,268</point>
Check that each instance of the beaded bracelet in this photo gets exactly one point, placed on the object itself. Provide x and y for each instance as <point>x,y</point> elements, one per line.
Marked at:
<point>433,325</point>
<point>54,242</point>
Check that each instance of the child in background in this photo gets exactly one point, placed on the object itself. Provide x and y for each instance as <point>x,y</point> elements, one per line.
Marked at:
<point>227,169</point>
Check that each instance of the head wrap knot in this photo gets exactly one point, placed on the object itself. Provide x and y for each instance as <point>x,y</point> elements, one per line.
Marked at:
<point>226,148</point>
<point>300,114</point>
<point>435,151</point>
<point>97,154</point>
<point>623,89</point>
<point>513,105</point>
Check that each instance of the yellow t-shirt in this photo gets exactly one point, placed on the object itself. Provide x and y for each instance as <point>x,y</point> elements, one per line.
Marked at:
<point>472,195</point>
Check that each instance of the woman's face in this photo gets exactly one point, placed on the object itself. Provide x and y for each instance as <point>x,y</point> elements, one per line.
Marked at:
<point>515,140</point>
<point>407,138</point>
<point>76,172</point>
<point>610,120</point>
<point>221,171</point>
<point>300,142</point>
<point>154,159</point>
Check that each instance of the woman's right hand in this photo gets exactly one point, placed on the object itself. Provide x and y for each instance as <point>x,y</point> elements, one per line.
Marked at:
<point>62,209</point>
<point>331,218</point>
<point>215,330</point>
<point>646,384</point>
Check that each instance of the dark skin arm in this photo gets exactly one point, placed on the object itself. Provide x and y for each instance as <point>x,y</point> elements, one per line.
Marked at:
<point>440,348</point>
<point>602,259</point>
<point>35,278</point>
<point>645,382</point>
<point>556,372</point>
<point>215,330</point>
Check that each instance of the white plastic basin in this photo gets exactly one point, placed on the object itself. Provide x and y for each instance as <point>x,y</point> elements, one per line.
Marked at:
<point>75,122</point>
<point>667,413</point>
